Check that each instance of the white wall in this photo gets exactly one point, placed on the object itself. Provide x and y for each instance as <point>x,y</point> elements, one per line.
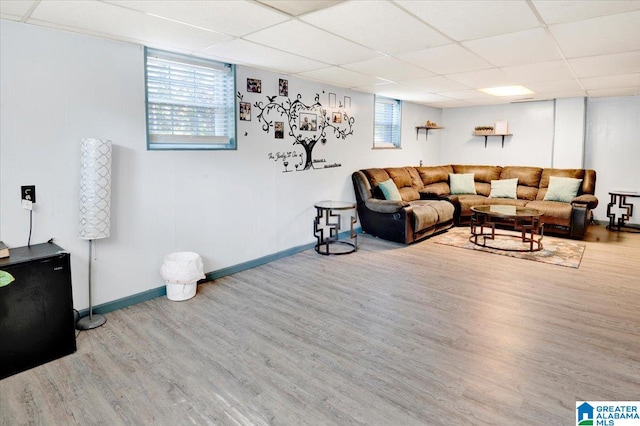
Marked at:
<point>531,124</point>
<point>420,147</point>
<point>568,146</point>
<point>613,149</point>
<point>230,207</point>
<point>606,141</point>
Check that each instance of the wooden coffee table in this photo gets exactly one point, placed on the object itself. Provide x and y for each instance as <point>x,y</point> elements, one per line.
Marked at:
<point>527,221</point>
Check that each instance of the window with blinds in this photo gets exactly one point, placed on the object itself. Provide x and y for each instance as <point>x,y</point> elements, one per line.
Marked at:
<point>387,123</point>
<point>190,102</point>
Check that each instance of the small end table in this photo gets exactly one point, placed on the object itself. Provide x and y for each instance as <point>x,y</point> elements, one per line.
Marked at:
<point>621,225</point>
<point>332,244</point>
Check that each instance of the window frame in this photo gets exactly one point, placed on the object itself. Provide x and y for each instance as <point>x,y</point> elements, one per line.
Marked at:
<point>228,141</point>
<point>396,121</point>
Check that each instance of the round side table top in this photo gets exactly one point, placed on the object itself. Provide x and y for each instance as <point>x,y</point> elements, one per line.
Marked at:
<point>335,205</point>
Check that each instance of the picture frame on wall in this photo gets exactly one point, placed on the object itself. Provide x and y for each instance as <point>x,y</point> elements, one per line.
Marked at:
<point>278,128</point>
<point>254,85</point>
<point>245,111</point>
<point>332,100</point>
<point>308,122</point>
<point>283,87</point>
<point>337,117</point>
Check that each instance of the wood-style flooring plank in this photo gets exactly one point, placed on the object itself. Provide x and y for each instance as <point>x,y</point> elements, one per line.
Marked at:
<point>424,334</point>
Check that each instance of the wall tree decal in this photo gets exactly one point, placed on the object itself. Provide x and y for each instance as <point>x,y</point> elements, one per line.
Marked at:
<point>290,111</point>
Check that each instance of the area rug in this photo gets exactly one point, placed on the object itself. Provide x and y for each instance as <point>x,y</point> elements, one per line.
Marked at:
<point>555,251</point>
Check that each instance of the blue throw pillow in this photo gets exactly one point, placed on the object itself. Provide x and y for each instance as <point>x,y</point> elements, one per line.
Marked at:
<point>390,190</point>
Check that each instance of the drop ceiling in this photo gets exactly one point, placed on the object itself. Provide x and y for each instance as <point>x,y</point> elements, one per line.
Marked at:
<point>436,53</point>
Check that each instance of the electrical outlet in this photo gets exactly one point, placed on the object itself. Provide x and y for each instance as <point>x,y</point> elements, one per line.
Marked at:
<point>28,193</point>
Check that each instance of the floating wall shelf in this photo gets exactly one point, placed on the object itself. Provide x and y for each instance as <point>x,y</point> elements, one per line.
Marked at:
<point>426,130</point>
<point>493,134</point>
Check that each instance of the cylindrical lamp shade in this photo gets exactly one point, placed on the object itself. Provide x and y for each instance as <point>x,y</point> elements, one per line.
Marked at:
<point>95,188</point>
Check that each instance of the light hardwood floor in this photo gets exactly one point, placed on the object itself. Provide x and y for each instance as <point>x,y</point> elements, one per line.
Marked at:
<point>390,335</point>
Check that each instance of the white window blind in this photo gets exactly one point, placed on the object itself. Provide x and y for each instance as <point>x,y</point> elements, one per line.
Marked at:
<point>387,123</point>
<point>190,102</point>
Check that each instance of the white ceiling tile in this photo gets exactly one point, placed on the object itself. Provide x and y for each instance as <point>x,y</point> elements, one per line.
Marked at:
<point>97,18</point>
<point>431,97</point>
<point>232,17</point>
<point>560,94</point>
<point>305,40</point>
<point>398,91</point>
<point>629,91</point>
<point>533,45</point>
<point>467,20</point>
<point>297,8</point>
<point>373,88</point>
<point>596,66</point>
<point>448,59</point>
<point>389,68</point>
<point>340,77</point>
<point>467,95</point>
<point>558,11</point>
<point>555,86</point>
<point>402,32</point>
<point>436,84</point>
<point>611,82</point>
<point>15,10</point>
<point>541,71</point>
<point>451,104</point>
<point>495,100</point>
<point>482,79</point>
<point>247,53</point>
<point>597,36</point>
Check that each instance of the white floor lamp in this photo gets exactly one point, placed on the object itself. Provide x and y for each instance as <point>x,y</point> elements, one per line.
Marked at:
<point>95,207</point>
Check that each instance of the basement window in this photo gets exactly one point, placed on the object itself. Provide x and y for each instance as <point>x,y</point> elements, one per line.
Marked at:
<point>190,102</point>
<point>387,123</point>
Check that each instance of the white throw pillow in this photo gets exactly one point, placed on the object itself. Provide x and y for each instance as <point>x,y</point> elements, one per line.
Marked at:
<point>562,189</point>
<point>504,188</point>
<point>462,183</point>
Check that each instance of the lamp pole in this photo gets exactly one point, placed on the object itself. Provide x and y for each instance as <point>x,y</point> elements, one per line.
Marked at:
<point>90,321</point>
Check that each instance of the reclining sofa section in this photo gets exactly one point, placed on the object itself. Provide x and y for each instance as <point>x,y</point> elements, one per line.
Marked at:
<point>427,205</point>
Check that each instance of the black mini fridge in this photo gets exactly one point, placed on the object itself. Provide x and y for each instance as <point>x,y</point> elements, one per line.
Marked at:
<point>36,310</point>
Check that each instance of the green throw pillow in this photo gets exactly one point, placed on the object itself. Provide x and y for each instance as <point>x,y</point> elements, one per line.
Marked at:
<point>562,189</point>
<point>462,183</point>
<point>504,188</point>
<point>390,190</point>
<point>5,278</point>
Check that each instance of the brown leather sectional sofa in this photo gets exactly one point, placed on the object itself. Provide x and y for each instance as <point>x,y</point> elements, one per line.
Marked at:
<point>421,213</point>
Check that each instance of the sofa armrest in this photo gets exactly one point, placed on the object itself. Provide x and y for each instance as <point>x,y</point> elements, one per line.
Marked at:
<point>385,206</point>
<point>590,200</point>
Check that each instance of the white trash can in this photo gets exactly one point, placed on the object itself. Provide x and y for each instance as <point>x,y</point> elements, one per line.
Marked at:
<point>181,271</point>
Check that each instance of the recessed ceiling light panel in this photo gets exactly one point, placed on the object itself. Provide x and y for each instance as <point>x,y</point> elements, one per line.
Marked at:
<point>507,91</point>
